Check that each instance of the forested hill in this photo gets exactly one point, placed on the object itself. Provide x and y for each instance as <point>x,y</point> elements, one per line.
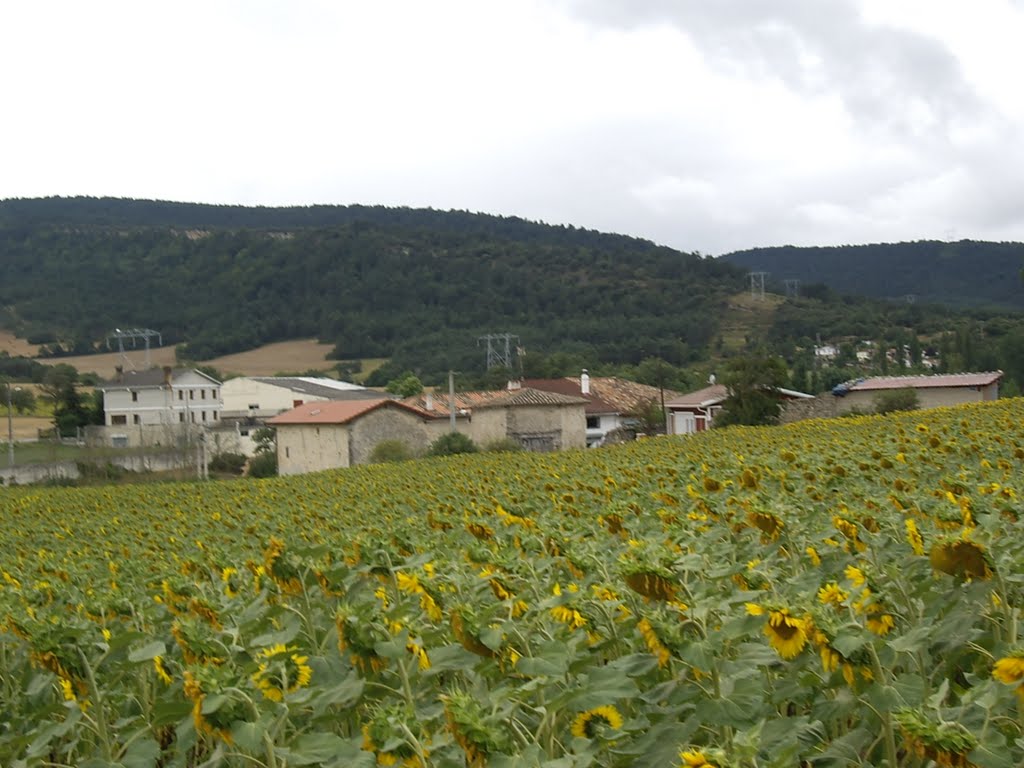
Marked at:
<point>965,273</point>
<point>419,285</point>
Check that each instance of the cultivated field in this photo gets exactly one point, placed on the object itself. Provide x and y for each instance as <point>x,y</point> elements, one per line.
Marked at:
<point>831,593</point>
<point>267,360</point>
<point>16,347</point>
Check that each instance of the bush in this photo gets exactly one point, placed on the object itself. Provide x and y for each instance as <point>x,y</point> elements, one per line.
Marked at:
<point>452,443</point>
<point>897,400</point>
<point>390,451</point>
<point>263,464</point>
<point>227,463</point>
<point>503,445</point>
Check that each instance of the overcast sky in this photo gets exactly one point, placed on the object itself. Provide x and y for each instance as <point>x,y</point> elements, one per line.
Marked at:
<point>706,125</point>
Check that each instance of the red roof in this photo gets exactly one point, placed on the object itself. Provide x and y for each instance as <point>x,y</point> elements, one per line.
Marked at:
<point>925,382</point>
<point>340,411</point>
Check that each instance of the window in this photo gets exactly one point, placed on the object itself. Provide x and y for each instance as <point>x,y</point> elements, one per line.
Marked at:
<point>204,415</point>
<point>202,393</point>
<point>191,394</point>
<point>593,422</point>
<point>181,395</point>
<point>181,417</point>
<point>287,452</point>
<point>214,415</point>
<point>136,419</point>
<point>119,419</point>
<point>193,418</point>
<point>119,441</point>
<point>135,397</point>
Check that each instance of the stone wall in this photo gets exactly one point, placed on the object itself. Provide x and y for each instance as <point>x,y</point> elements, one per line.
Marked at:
<point>823,406</point>
<point>387,423</point>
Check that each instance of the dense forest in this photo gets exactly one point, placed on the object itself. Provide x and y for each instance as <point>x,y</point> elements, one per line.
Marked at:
<point>960,274</point>
<point>419,286</point>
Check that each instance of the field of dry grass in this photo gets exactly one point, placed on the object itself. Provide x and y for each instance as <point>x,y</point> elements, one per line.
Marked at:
<point>267,360</point>
<point>16,347</point>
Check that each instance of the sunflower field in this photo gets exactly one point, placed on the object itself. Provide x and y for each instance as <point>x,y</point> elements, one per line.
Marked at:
<point>831,593</point>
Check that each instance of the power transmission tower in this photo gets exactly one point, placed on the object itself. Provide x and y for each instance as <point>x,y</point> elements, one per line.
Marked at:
<point>792,287</point>
<point>134,334</point>
<point>499,349</point>
<point>757,284</point>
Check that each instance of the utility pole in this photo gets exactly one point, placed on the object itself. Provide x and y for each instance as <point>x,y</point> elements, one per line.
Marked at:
<point>757,284</point>
<point>10,428</point>
<point>451,400</point>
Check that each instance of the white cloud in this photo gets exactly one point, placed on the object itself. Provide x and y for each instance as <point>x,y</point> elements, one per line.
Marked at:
<point>706,126</point>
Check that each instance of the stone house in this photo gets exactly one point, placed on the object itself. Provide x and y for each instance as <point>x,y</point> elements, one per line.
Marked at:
<point>537,420</point>
<point>343,433</point>
<point>611,403</point>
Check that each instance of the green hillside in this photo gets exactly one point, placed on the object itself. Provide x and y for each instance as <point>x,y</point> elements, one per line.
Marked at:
<point>418,286</point>
<point>966,273</point>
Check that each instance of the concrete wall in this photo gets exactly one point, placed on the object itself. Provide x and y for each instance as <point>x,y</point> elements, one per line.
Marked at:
<point>928,397</point>
<point>387,423</point>
<point>27,474</point>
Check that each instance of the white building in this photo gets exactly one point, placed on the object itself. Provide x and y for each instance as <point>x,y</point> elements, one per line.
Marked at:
<point>261,397</point>
<point>161,397</point>
<point>157,407</point>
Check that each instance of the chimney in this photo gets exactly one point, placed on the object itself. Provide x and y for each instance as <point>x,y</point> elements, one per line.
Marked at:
<point>428,401</point>
<point>119,373</point>
<point>585,382</point>
<point>513,385</point>
<point>167,375</point>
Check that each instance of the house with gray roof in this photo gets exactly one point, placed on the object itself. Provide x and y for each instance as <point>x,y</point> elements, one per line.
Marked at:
<point>261,397</point>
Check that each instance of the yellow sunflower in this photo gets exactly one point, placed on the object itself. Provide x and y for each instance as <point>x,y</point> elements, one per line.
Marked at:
<point>787,634</point>
<point>832,594</point>
<point>281,671</point>
<point>590,724</point>
<point>694,758</point>
<point>1010,669</point>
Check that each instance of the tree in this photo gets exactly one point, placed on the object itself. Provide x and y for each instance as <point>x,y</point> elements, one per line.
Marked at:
<point>897,400</point>
<point>70,412</point>
<point>452,443</point>
<point>753,384</point>
<point>406,385</point>
<point>651,418</point>
<point>22,399</point>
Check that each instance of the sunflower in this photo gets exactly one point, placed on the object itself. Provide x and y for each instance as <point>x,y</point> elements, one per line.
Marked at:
<point>653,642</point>
<point>1010,668</point>
<point>694,758</point>
<point>281,671</point>
<point>914,537</point>
<point>961,558</point>
<point>787,634</point>
<point>653,585</point>
<point>946,743</point>
<point>832,594</point>
<point>592,723</point>
<point>161,670</point>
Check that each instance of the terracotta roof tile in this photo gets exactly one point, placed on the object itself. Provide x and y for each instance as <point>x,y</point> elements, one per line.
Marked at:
<point>340,411</point>
<point>529,396</point>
